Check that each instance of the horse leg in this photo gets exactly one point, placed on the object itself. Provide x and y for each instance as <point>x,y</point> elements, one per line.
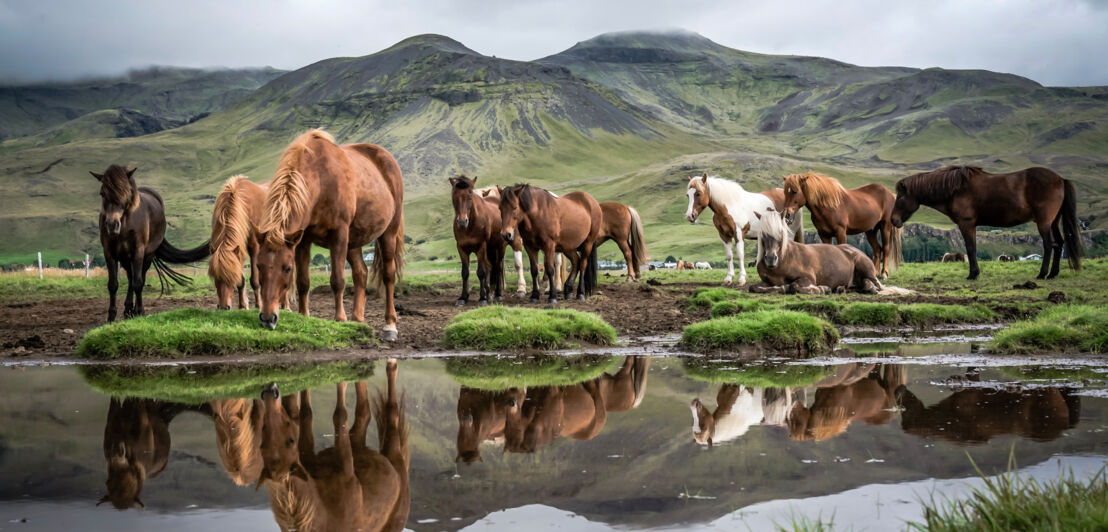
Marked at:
<point>1057,234</point>
<point>338,270</point>
<point>464,256</point>
<point>806,286</point>
<point>559,274</point>
<point>730,262</point>
<point>742,259</point>
<point>571,276</point>
<point>387,245</point>
<point>497,273</point>
<point>484,270</point>
<point>128,301</point>
<point>521,285</point>
<point>342,436</point>
<point>878,261</point>
<point>303,276</point>
<point>1048,248</point>
<point>549,261</point>
<point>255,285</point>
<point>359,274</point>
<point>140,282</point>
<point>625,248</point>
<point>307,435</point>
<point>241,288</point>
<point>533,261</point>
<point>886,247</point>
<point>969,235</point>
<point>113,285</point>
<point>582,263</point>
<point>361,413</point>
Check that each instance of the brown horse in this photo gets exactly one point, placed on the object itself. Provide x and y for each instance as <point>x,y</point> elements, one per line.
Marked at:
<point>971,197</point>
<point>976,415</point>
<point>345,487</point>
<point>493,192</point>
<point>132,233</point>
<point>792,267</point>
<point>685,265</point>
<point>837,212</point>
<point>238,435</point>
<point>136,447</point>
<point>477,230</point>
<point>340,198</point>
<point>623,225</point>
<point>954,257</point>
<point>569,224</point>
<point>233,239</point>
<point>870,400</point>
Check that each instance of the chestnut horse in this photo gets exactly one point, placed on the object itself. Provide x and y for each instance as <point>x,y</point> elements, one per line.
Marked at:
<point>870,400</point>
<point>477,230</point>
<point>132,233</point>
<point>493,192</point>
<point>569,224</point>
<point>976,415</point>
<point>838,212</point>
<point>733,211</point>
<point>971,197</point>
<point>345,487</point>
<point>340,198</point>
<point>234,238</point>
<point>792,267</point>
<point>623,225</point>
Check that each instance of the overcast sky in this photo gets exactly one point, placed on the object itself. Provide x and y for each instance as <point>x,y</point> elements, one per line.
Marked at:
<point>1055,42</point>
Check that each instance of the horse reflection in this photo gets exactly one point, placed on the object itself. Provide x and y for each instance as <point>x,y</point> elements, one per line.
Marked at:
<point>975,415</point>
<point>136,447</point>
<point>860,396</point>
<point>526,420</point>
<point>345,487</point>
<point>238,434</point>
<point>738,408</point>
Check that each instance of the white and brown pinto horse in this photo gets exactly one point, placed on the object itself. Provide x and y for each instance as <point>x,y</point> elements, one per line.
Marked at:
<point>733,211</point>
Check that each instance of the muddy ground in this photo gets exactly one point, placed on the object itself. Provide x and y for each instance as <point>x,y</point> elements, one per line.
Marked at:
<point>52,328</point>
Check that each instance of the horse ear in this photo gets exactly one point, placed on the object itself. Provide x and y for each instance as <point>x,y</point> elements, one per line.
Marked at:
<point>704,177</point>
<point>453,181</point>
<point>131,172</point>
<point>99,177</point>
<point>474,180</point>
<point>710,444</point>
<point>263,476</point>
<point>690,178</point>
<point>292,239</point>
<point>139,502</point>
<point>298,471</point>
<point>103,500</point>
<point>758,216</point>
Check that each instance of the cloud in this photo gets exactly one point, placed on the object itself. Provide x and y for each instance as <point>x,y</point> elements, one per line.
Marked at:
<point>1055,43</point>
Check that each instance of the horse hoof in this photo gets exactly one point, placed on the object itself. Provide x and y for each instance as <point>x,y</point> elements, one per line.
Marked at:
<point>552,301</point>
<point>580,297</point>
<point>521,293</point>
<point>389,335</point>
<point>482,303</point>
<point>460,303</point>
<point>499,299</point>
<point>534,300</point>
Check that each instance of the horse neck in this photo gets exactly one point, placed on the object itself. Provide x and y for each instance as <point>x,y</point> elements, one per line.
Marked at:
<point>729,194</point>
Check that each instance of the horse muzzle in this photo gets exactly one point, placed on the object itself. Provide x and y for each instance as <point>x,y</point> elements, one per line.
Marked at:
<point>508,236</point>
<point>691,217</point>
<point>770,262</point>
<point>269,322</point>
<point>896,221</point>
<point>788,218</point>
<point>271,391</point>
<point>461,223</point>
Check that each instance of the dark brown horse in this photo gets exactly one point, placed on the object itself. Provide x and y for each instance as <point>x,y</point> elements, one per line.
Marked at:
<point>345,487</point>
<point>132,233</point>
<point>791,267</point>
<point>623,225</point>
<point>870,400</point>
<point>477,231</point>
<point>136,447</point>
<point>837,212</point>
<point>341,198</point>
<point>976,415</point>
<point>971,197</point>
<point>569,224</point>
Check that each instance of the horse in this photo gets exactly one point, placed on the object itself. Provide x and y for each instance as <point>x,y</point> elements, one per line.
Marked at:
<point>1005,258</point>
<point>493,192</point>
<point>837,212</point>
<point>971,197</point>
<point>132,232</point>
<point>685,265</point>
<point>623,225</point>
<point>792,267</point>
<point>136,447</point>
<point>737,409</point>
<point>477,230</point>
<point>569,224</point>
<point>954,257</point>
<point>870,399</point>
<point>234,237</point>
<point>975,415</point>
<point>344,487</point>
<point>340,198</point>
<point>238,435</point>
<point>702,266</point>
<point>733,211</point>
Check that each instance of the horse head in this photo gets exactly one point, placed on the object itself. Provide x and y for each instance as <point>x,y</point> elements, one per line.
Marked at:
<point>773,238</point>
<point>481,417</point>
<point>136,446</point>
<point>703,423</point>
<point>126,476</point>
<point>462,196</point>
<point>905,206</point>
<point>699,196</point>
<point>119,197</point>
<point>794,196</point>
<point>515,201</point>
<point>280,446</point>
<point>238,424</point>
<point>275,260</point>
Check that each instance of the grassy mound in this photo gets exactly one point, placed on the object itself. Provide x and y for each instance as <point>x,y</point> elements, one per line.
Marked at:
<point>501,373</point>
<point>706,297</point>
<point>718,371</point>
<point>192,332</point>
<point>500,327</point>
<point>764,329</point>
<point>1064,328</point>
<point>195,384</point>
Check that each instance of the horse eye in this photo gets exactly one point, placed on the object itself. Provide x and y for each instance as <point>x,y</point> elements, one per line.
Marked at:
<point>287,269</point>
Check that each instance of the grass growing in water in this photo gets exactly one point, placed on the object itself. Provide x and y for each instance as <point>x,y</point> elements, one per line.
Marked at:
<point>501,373</point>
<point>192,332</point>
<point>195,384</point>
<point>1064,328</point>
<point>754,375</point>
<point>500,327</point>
<point>766,329</point>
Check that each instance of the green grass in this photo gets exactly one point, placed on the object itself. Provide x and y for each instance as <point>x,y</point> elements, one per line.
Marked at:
<point>869,314</point>
<point>753,375</point>
<point>1054,373</point>
<point>200,383</point>
<point>194,332</point>
<point>501,373</point>
<point>764,330</point>
<point>1064,328</point>
<point>499,327</point>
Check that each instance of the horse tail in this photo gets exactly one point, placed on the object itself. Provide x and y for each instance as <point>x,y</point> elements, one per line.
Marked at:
<point>591,272</point>
<point>168,276</point>
<point>379,267</point>
<point>230,230</point>
<point>896,252</point>
<point>638,244</point>
<point>1071,228</point>
<point>172,255</point>
<point>798,235</point>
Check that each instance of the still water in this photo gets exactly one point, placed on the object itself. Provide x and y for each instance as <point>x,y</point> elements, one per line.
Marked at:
<point>505,444</point>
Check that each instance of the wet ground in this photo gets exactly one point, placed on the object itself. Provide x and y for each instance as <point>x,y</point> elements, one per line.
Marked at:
<point>862,436</point>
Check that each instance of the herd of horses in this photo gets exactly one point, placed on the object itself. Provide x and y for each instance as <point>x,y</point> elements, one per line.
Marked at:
<point>344,197</point>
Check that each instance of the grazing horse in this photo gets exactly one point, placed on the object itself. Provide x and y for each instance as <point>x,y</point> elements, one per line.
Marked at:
<point>837,212</point>
<point>132,233</point>
<point>569,224</point>
<point>238,436</point>
<point>477,230</point>
<point>685,265</point>
<point>1005,258</point>
<point>976,415</point>
<point>870,399</point>
<point>136,447</point>
<point>703,266</point>
<point>340,198</point>
<point>623,225</point>
<point>733,211</point>
<point>493,192</point>
<point>791,267</point>
<point>237,206</point>
<point>954,257</point>
<point>344,487</point>
<point>737,409</point>
<point>971,197</point>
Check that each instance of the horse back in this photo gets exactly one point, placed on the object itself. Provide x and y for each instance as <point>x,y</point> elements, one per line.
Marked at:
<point>580,211</point>
<point>1006,200</point>
<point>617,219</point>
<point>777,196</point>
<point>385,164</point>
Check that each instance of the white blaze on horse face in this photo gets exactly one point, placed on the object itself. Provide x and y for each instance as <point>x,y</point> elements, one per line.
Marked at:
<point>695,419</point>
<point>689,215</point>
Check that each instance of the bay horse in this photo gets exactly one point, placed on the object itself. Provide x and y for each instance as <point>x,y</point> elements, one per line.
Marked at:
<point>569,224</point>
<point>132,233</point>
<point>838,212</point>
<point>340,198</point>
<point>793,267</point>
<point>971,197</point>
<point>136,447</point>
<point>234,238</point>
<point>623,225</point>
<point>477,231</point>
<point>733,211</point>
<point>345,487</point>
<point>976,415</point>
<point>870,400</point>
<point>493,192</point>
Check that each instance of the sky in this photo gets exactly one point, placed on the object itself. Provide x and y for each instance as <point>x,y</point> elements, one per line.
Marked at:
<point>1054,42</point>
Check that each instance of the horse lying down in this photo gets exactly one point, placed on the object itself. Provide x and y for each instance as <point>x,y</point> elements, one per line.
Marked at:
<point>792,267</point>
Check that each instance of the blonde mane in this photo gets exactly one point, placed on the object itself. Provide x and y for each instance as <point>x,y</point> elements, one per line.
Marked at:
<point>230,231</point>
<point>293,502</point>
<point>819,190</point>
<point>287,197</point>
<point>238,449</point>
<point>773,226</point>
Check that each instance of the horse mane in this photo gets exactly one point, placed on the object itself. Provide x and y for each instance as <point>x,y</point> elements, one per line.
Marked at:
<point>773,226</point>
<point>940,184</point>
<point>121,187</point>
<point>526,197</point>
<point>288,192</point>
<point>230,230</point>
<point>293,502</point>
<point>819,190</point>
<point>240,451</point>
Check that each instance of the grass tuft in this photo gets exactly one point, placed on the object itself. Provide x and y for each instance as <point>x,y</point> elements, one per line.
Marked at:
<point>499,327</point>
<point>501,373</point>
<point>706,297</point>
<point>195,332</point>
<point>872,314</point>
<point>1064,328</point>
<point>764,329</point>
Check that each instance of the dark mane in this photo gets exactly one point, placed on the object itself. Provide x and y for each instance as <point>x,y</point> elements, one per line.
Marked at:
<point>461,182</point>
<point>939,184</point>
<point>118,184</point>
<point>523,191</point>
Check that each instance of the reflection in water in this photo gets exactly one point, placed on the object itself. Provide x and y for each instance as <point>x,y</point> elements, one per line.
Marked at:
<point>136,447</point>
<point>238,435</point>
<point>869,399</point>
<point>737,409</point>
<point>975,415</point>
